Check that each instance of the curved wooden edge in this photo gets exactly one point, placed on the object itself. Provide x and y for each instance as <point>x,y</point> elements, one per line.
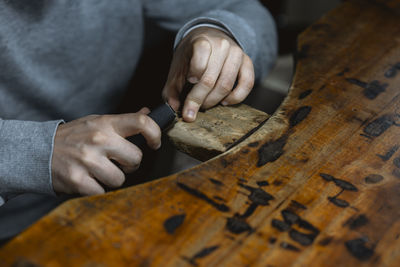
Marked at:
<point>292,194</point>
<point>216,130</point>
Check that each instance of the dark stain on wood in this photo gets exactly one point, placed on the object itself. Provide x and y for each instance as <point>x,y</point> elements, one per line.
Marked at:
<point>280,225</point>
<point>325,241</point>
<point>297,205</point>
<point>237,225</point>
<point>307,226</point>
<point>372,89</point>
<point>396,162</point>
<point>301,238</point>
<point>257,195</point>
<point>173,222</point>
<point>358,249</point>
<point>289,217</point>
<point>304,94</point>
<point>218,198</point>
<point>373,178</point>
<point>356,222</point>
<point>245,151</point>
<point>389,153</point>
<point>201,254</point>
<point>225,163</point>
<point>194,192</point>
<point>339,202</point>
<point>262,183</point>
<point>391,72</point>
<point>242,180</point>
<point>272,240</point>
<point>249,211</point>
<point>216,182</point>
<point>396,172</point>
<point>299,115</point>
<point>288,246</point>
<point>366,136</point>
<point>277,182</point>
<point>271,151</point>
<point>343,71</point>
<point>379,126</point>
<point>327,177</point>
<point>345,185</point>
<point>339,182</point>
<point>253,144</point>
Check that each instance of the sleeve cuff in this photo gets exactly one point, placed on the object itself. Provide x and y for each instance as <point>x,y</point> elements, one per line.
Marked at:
<point>209,25</point>
<point>234,25</point>
<point>25,157</point>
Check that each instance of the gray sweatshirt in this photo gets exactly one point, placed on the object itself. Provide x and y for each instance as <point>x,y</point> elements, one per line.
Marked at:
<point>64,59</point>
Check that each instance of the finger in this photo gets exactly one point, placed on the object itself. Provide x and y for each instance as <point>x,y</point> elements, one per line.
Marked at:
<point>226,79</point>
<point>172,89</point>
<point>245,83</point>
<point>198,94</point>
<point>198,63</point>
<point>135,123</point>
<point>125,153</point>
<point>106,172</point>
<point>144,110</point>
<point>86,185</point>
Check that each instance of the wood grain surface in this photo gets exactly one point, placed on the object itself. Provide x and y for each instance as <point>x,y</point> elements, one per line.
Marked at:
<point>317,185</point>
<point>216,130</point>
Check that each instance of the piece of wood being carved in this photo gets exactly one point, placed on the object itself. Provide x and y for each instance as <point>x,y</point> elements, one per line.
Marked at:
<point>316,185</point>
<point>216,130</point>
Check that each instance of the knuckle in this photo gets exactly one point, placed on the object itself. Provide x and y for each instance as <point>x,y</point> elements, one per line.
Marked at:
<point>76,182</point>
<point>224,44</point>
<point>201,43</point>
<point>225,86</point>
<point>142,120</point>
<point>208,81</point>
<point>98,138</point>
<point>236,50</point>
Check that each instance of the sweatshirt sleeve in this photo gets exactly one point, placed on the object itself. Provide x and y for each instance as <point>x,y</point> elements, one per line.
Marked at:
<point>26,149</point>
<point>250,24</point>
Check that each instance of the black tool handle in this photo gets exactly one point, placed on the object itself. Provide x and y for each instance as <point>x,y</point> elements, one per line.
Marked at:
<point>163,115</point>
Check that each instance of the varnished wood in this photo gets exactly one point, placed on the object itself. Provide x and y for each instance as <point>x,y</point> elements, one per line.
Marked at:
<point>216,130</point>
<point>317,185</point>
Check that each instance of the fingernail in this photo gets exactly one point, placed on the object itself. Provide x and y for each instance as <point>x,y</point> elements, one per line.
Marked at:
<point>224,103</point>
<point>193,80</point>
<point>190,114</point>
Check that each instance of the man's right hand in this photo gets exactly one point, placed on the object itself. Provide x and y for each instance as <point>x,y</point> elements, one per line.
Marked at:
<point>84,148</point>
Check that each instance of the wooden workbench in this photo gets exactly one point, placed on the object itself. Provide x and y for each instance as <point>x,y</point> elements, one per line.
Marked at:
<point>317,184</point>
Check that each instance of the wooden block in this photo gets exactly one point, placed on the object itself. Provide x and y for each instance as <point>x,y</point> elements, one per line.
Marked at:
<point>216,130</point>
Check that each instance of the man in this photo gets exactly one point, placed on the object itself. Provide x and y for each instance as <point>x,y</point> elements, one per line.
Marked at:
<point>62,61</point>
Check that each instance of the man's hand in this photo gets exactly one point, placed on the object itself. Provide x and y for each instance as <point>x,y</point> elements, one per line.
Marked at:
<point>212,61</point>
<point>84,148</point>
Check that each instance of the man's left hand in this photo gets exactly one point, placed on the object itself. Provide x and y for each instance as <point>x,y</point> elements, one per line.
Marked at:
<point>213,62</point>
